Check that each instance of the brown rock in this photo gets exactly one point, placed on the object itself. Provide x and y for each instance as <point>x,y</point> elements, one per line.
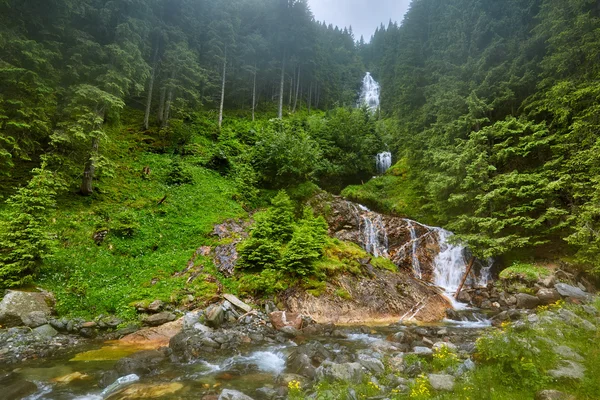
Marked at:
<point>280,319</point>
<point>159,319</point>
<point>156,306</point>
<point>154,338</point>
<point>527,301</point>
<point>548,296</point>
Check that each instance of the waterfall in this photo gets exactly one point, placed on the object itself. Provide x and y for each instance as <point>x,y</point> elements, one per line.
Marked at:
<point>373,235</point>
<point>449,265</point>
<point>384,162</point>
<point>369,94</point>
<point>413,240</point>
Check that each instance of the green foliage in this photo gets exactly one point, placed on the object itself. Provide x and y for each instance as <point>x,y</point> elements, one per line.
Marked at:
<point>259,253</point>
<point>25,240</point>
<point>525,272</point>
<point>444,358</point>
<point>523,358</point>
<point>125,223</point>
<point>285,155</point>
<point>179,174</point>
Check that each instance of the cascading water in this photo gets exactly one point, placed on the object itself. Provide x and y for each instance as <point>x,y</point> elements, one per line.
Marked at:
<point>369,94</point>
<point>449,264</point>
<point>416,264</point>
<point>372,232</point>
<point>384,162</point>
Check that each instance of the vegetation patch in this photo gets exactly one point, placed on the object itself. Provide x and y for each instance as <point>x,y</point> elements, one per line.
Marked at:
<point>524,272</point>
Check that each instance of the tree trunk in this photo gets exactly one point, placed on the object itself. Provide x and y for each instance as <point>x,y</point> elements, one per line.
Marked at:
<point>223,92</point>
<point>89,169</point>
<point>150,91</point>
<point>464,279</point>
<point>161,106</point>
<point>280,114</point>
<point>254,93</point>
<point>297,90</point>
<point>291,94</point>
<point>165,120</point>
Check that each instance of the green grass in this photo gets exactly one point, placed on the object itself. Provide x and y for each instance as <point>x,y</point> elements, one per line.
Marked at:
<point>525,272</point>
<point>392,193</point>
<point>137,263</point>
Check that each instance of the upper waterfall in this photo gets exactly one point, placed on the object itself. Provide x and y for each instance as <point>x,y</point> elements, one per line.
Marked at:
<point>369,94</point>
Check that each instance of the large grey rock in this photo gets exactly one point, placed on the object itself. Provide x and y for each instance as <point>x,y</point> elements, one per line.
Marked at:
<point>35,319</point>
<point>16,308</point>
<point>371,364</point>
<point>348,372</point>
<point>571,291</point>
<point>45,331</point>
<point>192,318</point>
<point>159,319</point>
<point>569,370</point>
<point>300,363</point>
<point>568,353</point>
<point>548,296</point>
<point>422,351</point>
<point>215,316</point>
<point>527,301</point>
<point>229,394</point>
<point>14,387</point>
<point>442,382</point>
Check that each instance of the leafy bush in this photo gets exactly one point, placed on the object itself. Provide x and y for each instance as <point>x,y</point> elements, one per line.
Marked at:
<point>178,174</point>
<point>24,238</point>
<point>125,223</point>
<point>259,253</point>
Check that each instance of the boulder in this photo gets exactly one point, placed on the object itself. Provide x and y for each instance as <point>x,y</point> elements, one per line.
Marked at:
<point>552,395</point>
<point>569,370</point>
<point>371,364</point>
<point>228,394</point>
<point>548,296</point>
<point>300,363</point>
<point>16,308</point>
<point>568,353</point>
<point>347,372</point>
<point>442,382</point>
<point>215,316</point>
<point>527,301</point>
<point>14,387</point>
<point>45,331</point>
<point>571,291</point>
<point>422,351</point>
<point>279,319</point>
<point>35,319</point>
<point>237,302</point>
<point>159,319</point>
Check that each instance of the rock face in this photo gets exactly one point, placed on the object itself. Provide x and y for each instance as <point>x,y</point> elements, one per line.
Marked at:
<point>20,308</point>
<point>226,255</point>
<point>385,297</point>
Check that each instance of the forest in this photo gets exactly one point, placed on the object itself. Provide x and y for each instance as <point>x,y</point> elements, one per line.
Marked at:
<point>159,155</point>
<point>490,111</point>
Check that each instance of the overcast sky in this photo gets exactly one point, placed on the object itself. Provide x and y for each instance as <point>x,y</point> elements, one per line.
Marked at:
<point>363,15</point>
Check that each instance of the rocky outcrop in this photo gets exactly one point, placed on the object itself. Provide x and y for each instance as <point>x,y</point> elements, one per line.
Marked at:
<point>25,309</point>
<point>225,255</point>
<point>385,297</point>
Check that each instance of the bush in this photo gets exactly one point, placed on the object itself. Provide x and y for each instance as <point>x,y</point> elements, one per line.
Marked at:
<point>179,174</point>
<point>524,272</point>
<point>125,224</point>
<point>258,253</point>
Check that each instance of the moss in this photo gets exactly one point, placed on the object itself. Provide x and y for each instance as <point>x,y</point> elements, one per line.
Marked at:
<point>524,272</point>
<point>343,293</point>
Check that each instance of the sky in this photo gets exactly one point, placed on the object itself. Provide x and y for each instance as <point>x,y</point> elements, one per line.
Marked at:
<point>363,15</point>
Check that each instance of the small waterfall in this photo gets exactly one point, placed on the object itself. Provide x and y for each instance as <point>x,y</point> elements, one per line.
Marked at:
<point>384,162</point>
<point>485,275</point>
<point>369,94</point>
<point>449,265</point>
<point>414,245</point>
<point>373,235</point>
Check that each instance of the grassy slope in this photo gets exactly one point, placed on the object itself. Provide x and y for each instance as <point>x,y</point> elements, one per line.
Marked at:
<point>89,279</point>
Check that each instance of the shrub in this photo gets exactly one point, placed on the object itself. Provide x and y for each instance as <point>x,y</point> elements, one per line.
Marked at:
<point>259,254</point>
<point>178,174</point>
<point>524,272</point>
<point>125,223</point>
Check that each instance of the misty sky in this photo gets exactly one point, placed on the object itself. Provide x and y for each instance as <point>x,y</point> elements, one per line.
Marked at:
<point>364,15</point>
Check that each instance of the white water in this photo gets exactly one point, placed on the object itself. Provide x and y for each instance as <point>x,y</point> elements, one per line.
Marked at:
<point>369,94</point>
<point>413,240</point>
<point>449,264</point>
<point>384,162</point>
<point>272,361</point>
<point>371,230</point>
